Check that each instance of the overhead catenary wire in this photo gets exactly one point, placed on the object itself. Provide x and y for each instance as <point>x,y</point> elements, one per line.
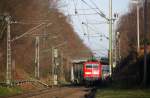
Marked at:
<point>98,23</point>
<point>68,8</point>
<point>40,22</point>
<point>78,17</point>
<point>98,12</point>
<point>84,14</point>
<point>26,23</point>
<point>2,29</point>
<point>87,28</point>
<point>30,19</point>
<point>28,32</point>
<point>75,4</point>
<point>90,36</point>
<point>81,13</point>
<point>87,9</point>
<point>98,9</point>
<point>90,27</point>
<point>90,14</point>
<point>102,53</point>
<point>76,12</point>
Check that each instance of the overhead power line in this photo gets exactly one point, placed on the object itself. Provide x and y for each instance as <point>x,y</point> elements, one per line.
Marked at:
<point>86,24</point>
<point>84,14</point>
<point>2,29</point>
<point>28,32</point>
<point>78,16</point>
<point>87,9</point>
<point>100,12</point>
<point>98,8</point>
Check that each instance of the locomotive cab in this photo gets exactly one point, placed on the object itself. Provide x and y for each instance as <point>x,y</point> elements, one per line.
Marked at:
<point>92,71</point>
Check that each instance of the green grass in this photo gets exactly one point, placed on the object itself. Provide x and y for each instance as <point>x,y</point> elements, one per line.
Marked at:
<point>122,93</point>
<point>6,91</point>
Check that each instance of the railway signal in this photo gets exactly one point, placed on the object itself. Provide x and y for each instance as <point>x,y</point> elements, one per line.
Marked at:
<point>56,62</point>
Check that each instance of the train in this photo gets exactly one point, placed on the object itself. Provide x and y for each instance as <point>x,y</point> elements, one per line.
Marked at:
<point>89,72</point>
<point>92,72</point>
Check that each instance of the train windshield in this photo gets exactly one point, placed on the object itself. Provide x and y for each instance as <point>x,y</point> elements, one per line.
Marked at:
<point>95,66</point>
<point>88,65</point>
<point>92,66</point>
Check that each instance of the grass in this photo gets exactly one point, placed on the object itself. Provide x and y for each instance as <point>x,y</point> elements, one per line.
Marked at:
<point>7,91</point>
<point>122,93</point>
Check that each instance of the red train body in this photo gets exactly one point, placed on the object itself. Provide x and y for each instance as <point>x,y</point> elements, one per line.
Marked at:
<point>92,71</point>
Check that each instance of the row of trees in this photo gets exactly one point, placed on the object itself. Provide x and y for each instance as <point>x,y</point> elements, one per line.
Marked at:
<point>130,69</point>
<point>127,26</point>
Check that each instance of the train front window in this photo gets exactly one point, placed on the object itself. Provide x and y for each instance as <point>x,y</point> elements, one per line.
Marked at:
<point>95,66</point>
<point>89,66</point>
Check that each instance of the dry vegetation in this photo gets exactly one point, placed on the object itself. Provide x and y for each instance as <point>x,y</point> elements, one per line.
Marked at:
<point>23,50</point>
<point>130,70</point>
<point>127,27</point>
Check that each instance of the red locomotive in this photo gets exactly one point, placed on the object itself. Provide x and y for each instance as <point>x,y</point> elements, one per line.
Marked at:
<point>88,73</point>
<point>92,71</point>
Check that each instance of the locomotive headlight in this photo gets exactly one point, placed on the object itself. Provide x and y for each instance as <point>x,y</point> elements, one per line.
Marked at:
<point>87,73</point>
<point>96,72</point>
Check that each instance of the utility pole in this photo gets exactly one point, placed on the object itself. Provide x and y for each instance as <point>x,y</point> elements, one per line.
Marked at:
<point>110,36</point>
<point>138,27</point>
<point>54,65</point>
<point>8,65</point>
<point>72,73</point>
<point>118,57</point>
<point>119,49</point>
<point>61,67</point>
<point>145,44</point>
<point>115,46</point>
<point>138,23</point>
<point>114,41</point>
<point>37,57</point>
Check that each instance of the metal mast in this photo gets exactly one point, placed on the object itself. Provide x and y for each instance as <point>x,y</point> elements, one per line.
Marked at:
<point>110,36</point>
<point>8,65</point>
<point>145,44</point>
<point>37,57</point>
<point>138,26</point>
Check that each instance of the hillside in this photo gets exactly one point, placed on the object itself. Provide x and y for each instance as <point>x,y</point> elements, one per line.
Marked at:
<point>29,14</point>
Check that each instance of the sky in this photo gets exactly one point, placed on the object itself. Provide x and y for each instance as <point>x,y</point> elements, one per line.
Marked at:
<point>89,25</point>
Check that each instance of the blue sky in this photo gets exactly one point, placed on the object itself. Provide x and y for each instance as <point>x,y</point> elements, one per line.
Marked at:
<point>90,26</point>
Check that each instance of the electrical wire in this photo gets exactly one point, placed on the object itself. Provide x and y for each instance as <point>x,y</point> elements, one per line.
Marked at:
<point>28,32</point>
<point>67,8</point>
<point>98,8</point>
<point>83,14</point>
<point>30,19</point>
<point>3,27</point>
<point>90,27</point>
<point>87,29</point>
<point>79,20</point>
<point>100,13</point>
<point>87,9</point>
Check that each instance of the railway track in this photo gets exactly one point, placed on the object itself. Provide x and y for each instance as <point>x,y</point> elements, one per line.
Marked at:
<point>59,92</point>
